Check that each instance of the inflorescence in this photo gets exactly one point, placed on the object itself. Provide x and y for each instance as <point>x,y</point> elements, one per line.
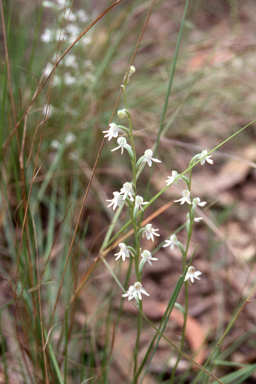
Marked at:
<point>128,196</point>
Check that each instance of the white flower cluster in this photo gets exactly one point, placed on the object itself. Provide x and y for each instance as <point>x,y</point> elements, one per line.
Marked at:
<point>135,203</point>
<point>76,72</point>
<point>186,198</point>
<point>128,195</point>
<point>113,131</point>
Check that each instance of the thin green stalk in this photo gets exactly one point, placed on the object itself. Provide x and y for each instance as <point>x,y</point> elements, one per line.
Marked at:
<point>184,258</point>
<point>156,339</point>
<point>54,361</point>
<point>132,141</point>
<point>3,353</point>
<point>226,332</point>
<point>136,350</point>
<point>185,316</point>
<point>134,173</point>
<point>66,346</point>
<point>36,34</point>
<point>180,351</point>
<point>171,76</point>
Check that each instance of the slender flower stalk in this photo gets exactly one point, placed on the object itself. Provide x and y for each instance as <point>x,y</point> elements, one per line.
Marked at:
<point>129,197</point>
<point>191,272</point>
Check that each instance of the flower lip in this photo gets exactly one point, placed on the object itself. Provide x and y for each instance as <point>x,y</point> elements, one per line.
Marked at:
<point>170,179</point>
<point>127,191</point>
<point>116,201</point>
<point>122,143</point>
<point>205,158</point>
<point>147,256</point>
<point>135,291</point>
<point>139,202</point>
<point>123,253</point>
<point>192,274</point>
<point>112,131</point>
<point>171,242</point>
<point>150,232</point>
<point>148,157</point>
<point>197,202</point>
<point>185,198</point>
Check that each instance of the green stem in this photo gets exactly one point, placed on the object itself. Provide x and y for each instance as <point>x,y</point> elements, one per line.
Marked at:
<point>171,77</point>
<point>132,142</point>
<point>134,222</point>
<point>136,350</point>
<point>186,283</point>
